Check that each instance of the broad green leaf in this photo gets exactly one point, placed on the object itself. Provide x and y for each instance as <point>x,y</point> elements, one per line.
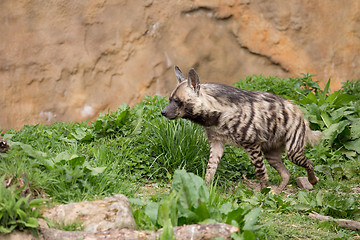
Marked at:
<point>236,215</point>
<point>343,99</point>
<point>189,215</point>
<point>226,208</point>
<point>349,153</point>
<point>22,202</point>
<point>37,202</point>
<point>32,223</point>
<point>302,207</point>
<point>168,231</point>
<point>202,211</point>
<point>325,117</point>
<point>249,235</point>
<point>235,236</point>
<point>310,98</point>
<point>122,112</point>
<point>137,124</point>
<point>82,134</point>
<point>332,97</point>
<point>338,114</point>
<point>355,129</point>
<point>167,209</point>
<point>302,196</point>
<point>94,171</point>
<point>76,160</point>
<point>21,214</point>
<point>251,219</point>
<point>353,145</point>
<point>163,212</point>
<point>62,156</point>
<point>173,207</point>
<point>319,198</point>
<point>203,193</point>
<point>151,210</point>
<point>190,184</point>
<point>29,150</point>
<point>334,130</point>
<point>7,229</point>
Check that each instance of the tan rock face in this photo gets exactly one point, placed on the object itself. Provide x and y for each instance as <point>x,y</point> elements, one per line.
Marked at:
<point>70,60</point>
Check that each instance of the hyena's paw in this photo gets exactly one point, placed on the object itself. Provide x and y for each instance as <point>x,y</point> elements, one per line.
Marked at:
<point>313,180</point>
<point>277,189</point>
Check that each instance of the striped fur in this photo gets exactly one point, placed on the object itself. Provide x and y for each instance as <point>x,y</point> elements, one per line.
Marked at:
<point>261,123</point>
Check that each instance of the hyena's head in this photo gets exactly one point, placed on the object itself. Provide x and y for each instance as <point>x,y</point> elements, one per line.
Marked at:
<point>183,96</point>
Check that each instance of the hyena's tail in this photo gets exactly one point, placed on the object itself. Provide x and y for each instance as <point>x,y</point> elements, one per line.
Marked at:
<point>313,137</point>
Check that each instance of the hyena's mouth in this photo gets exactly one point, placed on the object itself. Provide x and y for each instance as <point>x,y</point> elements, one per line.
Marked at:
<point>172,117</point>
<point>169,116</point>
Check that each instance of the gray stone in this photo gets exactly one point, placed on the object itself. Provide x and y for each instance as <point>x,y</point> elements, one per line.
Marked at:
<point>304,183</point>
<point>17,235</point>
<point>99,215</point>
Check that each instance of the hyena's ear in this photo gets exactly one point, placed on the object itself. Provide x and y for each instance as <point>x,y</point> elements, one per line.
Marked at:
<point>194,81</point>
<point>180,77</point>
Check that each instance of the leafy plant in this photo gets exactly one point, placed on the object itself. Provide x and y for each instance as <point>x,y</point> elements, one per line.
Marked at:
<point>190,202</point>
<point>330,204</point>
<point>17,212</point>
<point>113,122</point>
<point>351,88</point>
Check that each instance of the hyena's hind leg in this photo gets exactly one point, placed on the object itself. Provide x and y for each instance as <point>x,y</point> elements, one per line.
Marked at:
<point>295,151</point>
<point>257,159</point>
<point>273,156</point>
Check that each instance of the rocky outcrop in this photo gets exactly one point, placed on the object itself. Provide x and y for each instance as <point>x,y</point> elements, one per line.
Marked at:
<point>70,60</point>
<point>185,232</point>
<point>95,216</point>
<point>110,218</point>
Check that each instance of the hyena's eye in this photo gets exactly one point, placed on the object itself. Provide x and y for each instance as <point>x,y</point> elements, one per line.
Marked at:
<point>177,102</point>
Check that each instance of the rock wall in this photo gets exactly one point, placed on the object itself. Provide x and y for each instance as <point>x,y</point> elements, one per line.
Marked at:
<point>70,60</point>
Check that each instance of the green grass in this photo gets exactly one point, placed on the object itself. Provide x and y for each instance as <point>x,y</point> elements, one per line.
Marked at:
<point>133,147</point>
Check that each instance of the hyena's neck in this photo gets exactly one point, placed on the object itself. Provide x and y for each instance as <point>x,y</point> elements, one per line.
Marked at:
<point>201,115</point>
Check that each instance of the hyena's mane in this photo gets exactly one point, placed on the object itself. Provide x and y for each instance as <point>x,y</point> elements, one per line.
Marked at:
<point>237,95</point>
<point>216,99</point>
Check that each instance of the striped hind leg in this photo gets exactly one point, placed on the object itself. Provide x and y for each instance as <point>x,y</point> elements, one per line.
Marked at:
<point>295,146</point>
<point>273,156</point>
<point>254,151</point>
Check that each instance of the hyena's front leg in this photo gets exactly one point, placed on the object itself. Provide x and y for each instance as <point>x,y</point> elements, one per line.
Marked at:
<point>257,159</point>
<point>216,151</point>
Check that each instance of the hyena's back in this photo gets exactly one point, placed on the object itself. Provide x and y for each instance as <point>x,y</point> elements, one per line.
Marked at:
<point>262,123</point>
<point>249,117</point>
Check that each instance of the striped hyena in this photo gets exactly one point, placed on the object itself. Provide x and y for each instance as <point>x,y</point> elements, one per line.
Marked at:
<point>261,123</point>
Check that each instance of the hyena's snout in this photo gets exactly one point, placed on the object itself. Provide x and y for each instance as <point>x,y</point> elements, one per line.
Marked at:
<point>170,112</point>
<point>164,113</point>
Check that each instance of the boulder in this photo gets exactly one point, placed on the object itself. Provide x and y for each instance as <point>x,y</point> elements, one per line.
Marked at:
<point>99,215</point>
<point>18,235</point>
